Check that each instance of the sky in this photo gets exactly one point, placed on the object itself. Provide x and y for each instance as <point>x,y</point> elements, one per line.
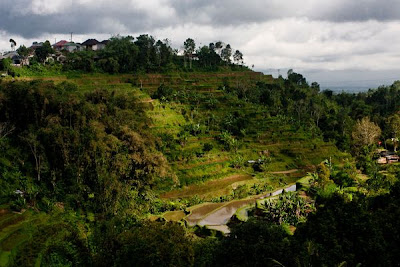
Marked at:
<point>333,42</point>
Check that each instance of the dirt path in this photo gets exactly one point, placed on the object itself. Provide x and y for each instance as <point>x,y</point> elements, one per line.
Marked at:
<point>147,101</point>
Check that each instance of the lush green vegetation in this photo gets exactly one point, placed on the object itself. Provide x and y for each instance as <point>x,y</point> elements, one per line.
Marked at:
<point>87,159</point>
<point>126,54</point>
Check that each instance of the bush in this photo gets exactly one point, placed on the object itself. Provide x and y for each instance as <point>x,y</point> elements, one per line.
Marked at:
<point>164,93</point>
<point>155,244</point>
<point>207,147</point>
<point>229,142</point>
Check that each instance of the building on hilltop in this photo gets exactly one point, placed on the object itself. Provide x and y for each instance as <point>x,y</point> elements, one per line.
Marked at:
<point>94,45</point>
<point>102,44</point>
<point>16,59</point>
<point>90,44</point>
<point>36,45</point>
<point>59,45</point>
<point>72,47</point>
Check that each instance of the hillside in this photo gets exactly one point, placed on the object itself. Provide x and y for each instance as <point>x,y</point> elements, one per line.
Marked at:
<point>96,146</point>
<point>190,122</point>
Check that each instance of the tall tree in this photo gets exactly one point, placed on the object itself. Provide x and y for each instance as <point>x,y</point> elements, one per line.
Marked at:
<point>164,52</point>
<point>226,53</point>
<point>23,52</point>
<point>218,47</point>
<point>124,51</point>
<point>147,52</point>
<point>13,44</point>
<point>365,132</point>
<point>238,57</point>
<point>394,128</point>
<point>189,46</point>
<point>43,51</point>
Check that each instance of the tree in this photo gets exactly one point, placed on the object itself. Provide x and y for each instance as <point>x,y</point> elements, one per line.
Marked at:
<point>226,53</point>
<point>5,64</point>
<point>167,243</point>
<point>164,52</point>
<point>35,147</point>
<point>297,78</point>
<point>23,52</point>
<point>340,231</point>
<point>238,57</point>
<point>394,128</point>
<point>288,208</point>
<point>218,47</point>
<point>365,132</point>
<point>189,46</point>
<point>109,65</point>
<point>13,44</point>
<point>43,51</point>
<point>208,57</point>
<point>124,51</point>
<point>254,243</point>
<point>6,128</point>
<point>147,56</point>
<point>211,46</point>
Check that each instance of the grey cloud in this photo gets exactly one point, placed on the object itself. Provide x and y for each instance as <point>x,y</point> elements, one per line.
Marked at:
<point>16,18</point>
<point>77,18</point>
<point>363,10</point>
<point>237,11</point>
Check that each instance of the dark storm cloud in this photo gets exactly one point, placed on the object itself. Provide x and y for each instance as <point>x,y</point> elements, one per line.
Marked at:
<point>33,17</point>
<point>238,11</point>
<point>101,17</point>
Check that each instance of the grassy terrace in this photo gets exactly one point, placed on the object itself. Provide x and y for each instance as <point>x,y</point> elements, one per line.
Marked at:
<point>15,230</point>
<point>212,173</point>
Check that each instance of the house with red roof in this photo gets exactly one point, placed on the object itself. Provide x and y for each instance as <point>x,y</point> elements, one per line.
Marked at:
<point>59,45</point>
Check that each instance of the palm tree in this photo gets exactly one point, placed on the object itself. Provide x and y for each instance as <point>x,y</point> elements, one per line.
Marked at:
<point>13,44</point>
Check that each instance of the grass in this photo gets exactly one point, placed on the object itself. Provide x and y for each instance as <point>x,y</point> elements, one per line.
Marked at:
<point>16,229</point>
<point>174,216</point>
<point>208,189</point>
<point>209,173</point>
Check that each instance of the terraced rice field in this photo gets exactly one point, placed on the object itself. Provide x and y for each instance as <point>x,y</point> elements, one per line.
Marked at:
<point>208,189</point>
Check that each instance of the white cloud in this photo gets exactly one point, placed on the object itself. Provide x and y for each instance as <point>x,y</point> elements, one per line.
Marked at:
<point>303,43</point>
<point>46,7</point>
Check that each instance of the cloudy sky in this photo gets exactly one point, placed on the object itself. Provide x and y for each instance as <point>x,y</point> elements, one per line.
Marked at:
<point>334,42</point>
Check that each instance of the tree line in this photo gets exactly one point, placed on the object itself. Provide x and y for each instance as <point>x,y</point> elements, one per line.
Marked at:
<point>126,54</point>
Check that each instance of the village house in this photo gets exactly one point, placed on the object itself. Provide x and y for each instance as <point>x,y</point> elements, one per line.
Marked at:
<point>66,46</point>
<point>387,157</point>
<point>16,59</point>
<point>36,45</point>
<point>90,44</point>
<point>102,44</point>
<point>72,47</point>
<point>59,45</point>
<point>94,45</point>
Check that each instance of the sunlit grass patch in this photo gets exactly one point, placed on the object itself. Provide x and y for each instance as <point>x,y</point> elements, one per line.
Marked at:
<point>174,215</point>
<point>207,189</point>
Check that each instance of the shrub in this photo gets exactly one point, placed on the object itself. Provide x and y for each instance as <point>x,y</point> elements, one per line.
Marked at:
<point>207,147</point>
<point>229,142</point>
<point>164,93</point>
